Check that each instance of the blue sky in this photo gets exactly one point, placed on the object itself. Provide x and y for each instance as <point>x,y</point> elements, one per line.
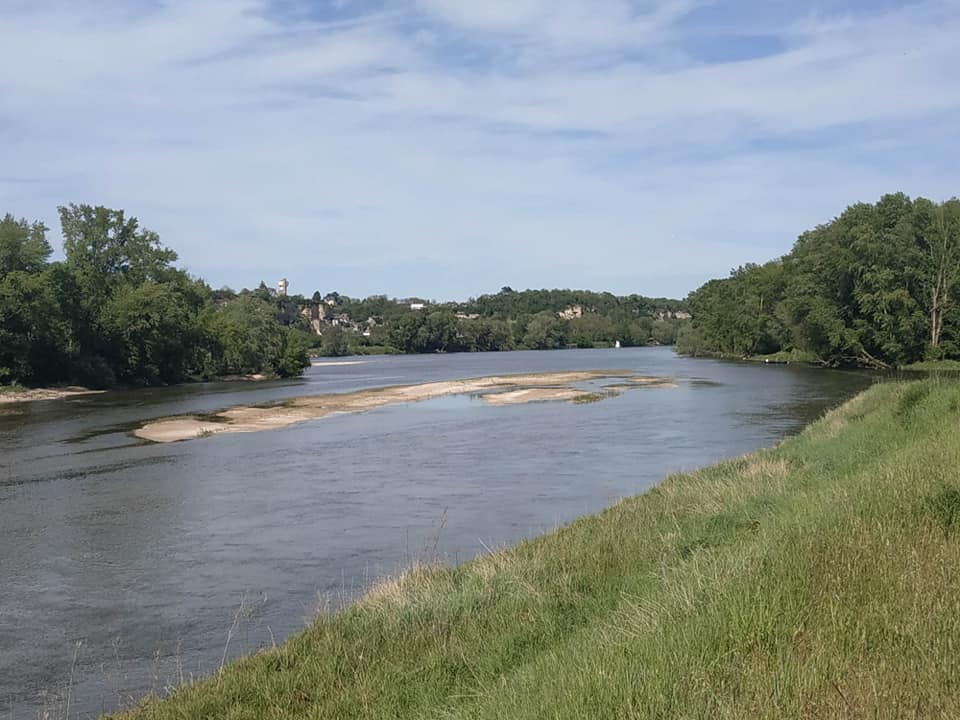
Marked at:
<point>445,148</point>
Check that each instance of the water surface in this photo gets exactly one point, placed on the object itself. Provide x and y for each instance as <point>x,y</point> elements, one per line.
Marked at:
<point>123,564</point>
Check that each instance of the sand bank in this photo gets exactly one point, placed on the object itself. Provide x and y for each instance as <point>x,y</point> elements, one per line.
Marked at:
<point>338,363</point>
<point>19,396</point>
<point>256,418</point>
<point>646,382</point>
<point>529,395</point>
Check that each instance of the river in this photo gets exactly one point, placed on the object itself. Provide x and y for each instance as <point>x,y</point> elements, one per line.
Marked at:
<point>128,567</point>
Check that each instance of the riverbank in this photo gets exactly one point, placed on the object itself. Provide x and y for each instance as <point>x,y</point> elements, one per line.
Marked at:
<point>932,366</point>
<point>496,390</point>
<point>19,394</point>
<point>817,579</point>
<point>783,357</point>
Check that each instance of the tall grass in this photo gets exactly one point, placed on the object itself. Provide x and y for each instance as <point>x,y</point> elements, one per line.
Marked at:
<point>820,579</point>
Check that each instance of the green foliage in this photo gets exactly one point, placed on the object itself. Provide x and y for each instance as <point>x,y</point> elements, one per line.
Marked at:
<point>23,246</point>
<point>335,343</point>
<point>487,335</point>
<point>545,331</point>
<point>106,250</point>
<point>531,319</point>
<point>34,340</point>
<point>295,356</point>
<point>427,332</point>
<point>690,341</point>
<point>152,333</point>
<point>873,287</point>
<point>117,310</point>
<point>245,338</point>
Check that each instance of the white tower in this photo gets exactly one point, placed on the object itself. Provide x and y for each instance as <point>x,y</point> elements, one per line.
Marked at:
<point>282,287</point>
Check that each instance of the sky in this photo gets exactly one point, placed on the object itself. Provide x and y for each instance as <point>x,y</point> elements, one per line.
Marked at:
<point>446,148</point>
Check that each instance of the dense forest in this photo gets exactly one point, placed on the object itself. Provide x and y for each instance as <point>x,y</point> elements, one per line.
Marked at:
<point>117,311</point>
<point>507,320</point>
<point>875,287</point>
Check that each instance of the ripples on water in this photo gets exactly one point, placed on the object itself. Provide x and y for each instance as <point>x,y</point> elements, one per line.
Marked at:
<point>144,553</point>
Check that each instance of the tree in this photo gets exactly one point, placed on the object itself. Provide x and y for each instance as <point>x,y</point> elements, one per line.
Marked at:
<point>23,246</point>
<point>153,333</point>
<point>105,250</point>
<point>334,342</point>
<point>33,337</point>
<point>939,241</point>
<point>486,335</point>
<point>873,287</point>
<point>545,331</point>
<point>295,356</point>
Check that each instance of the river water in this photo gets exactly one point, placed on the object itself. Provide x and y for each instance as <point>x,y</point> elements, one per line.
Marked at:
<point>127,567</point>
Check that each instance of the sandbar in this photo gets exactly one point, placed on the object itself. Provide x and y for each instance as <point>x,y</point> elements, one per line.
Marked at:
<point>645,382</point>
<point>31,395</point>
<point>530,395</point>
<point>542,386</point>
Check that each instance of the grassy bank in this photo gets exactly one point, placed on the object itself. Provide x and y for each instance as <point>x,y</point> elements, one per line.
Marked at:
<point>930,366</point>
<point>781,358</point>
<point>820,579</point>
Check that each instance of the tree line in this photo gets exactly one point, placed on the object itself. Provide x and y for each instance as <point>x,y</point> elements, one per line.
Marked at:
<point>117,310</point>
<point>875,287</point>
<point>507,320</point>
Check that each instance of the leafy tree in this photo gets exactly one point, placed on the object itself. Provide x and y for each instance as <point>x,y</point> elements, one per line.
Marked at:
<point>295,356</point>
<point>334,342</point>
<point>873,287</point>
<point>154,333</point>
<point>105,250</point>
<point>23,246</point>
<point>33,336</point>
<point>486,335</point>
<point>545,331</point>
<point>938,238</point>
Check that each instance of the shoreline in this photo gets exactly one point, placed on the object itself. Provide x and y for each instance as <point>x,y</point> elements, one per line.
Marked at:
<point>529,387</point>
<point>24,395</point>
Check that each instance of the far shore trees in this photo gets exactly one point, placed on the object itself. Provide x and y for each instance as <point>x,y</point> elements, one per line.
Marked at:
<point>118,311</point>
<point>874,287</point>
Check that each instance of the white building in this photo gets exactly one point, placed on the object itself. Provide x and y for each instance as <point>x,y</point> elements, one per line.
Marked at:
<point>282,287</point>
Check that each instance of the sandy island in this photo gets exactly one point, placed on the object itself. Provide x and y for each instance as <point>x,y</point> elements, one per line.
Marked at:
<point>30,395</point>
<point>496,390</point>
<point>530,395</point>
<point>643,382</point>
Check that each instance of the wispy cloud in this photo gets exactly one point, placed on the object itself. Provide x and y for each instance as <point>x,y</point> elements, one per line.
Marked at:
<point>445,148</point>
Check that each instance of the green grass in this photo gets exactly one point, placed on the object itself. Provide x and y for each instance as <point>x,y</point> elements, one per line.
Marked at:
<point>933,366</point>
<point>819,579</point>
<point>14,388</point>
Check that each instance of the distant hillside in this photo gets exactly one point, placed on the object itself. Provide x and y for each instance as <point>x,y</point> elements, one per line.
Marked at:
<point>507,320</point>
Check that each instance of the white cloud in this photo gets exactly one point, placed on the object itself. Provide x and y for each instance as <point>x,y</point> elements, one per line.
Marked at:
<point>402,151</point>
<point>565,25</point>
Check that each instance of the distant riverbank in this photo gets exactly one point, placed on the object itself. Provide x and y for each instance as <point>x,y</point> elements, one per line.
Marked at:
<point>18,394</point>
<point>817,579</point>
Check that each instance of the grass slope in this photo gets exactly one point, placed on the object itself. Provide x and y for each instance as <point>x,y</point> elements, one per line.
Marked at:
<point>950,366</point>
<point>820,579</point>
